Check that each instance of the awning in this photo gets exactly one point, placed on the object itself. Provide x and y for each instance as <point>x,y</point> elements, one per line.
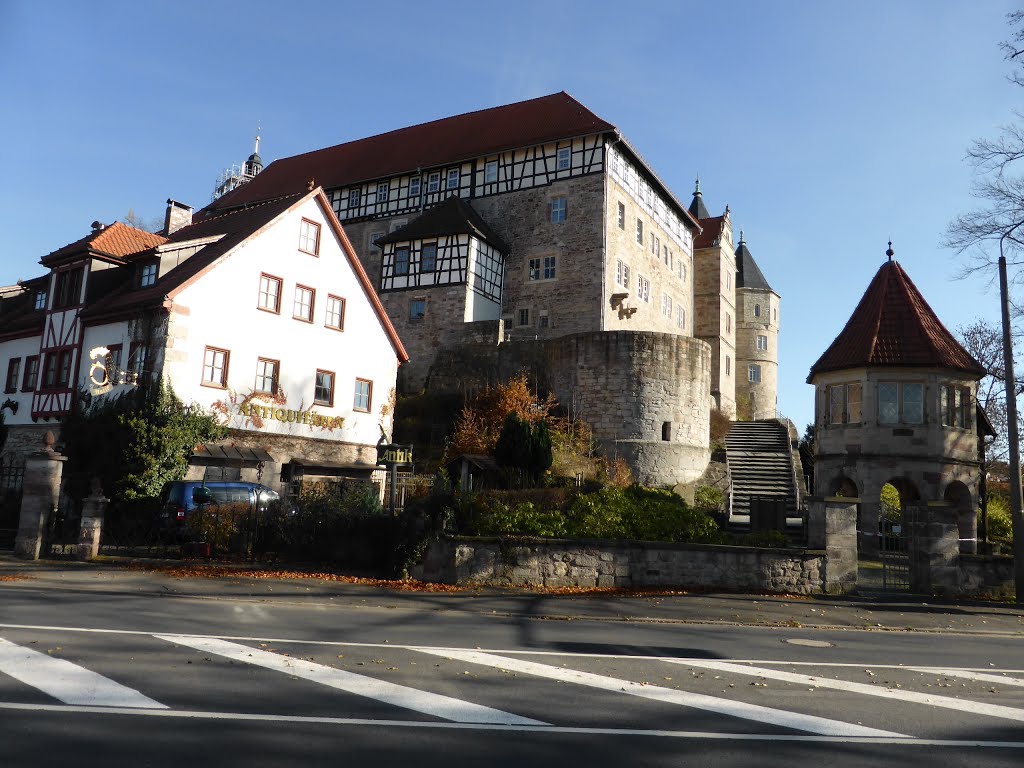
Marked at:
<point>231,454</point>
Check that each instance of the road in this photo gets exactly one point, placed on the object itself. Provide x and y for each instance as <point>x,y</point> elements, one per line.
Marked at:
<point>102,666</point>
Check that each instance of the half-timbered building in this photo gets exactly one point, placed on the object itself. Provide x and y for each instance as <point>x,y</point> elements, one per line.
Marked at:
<point>263,314</point>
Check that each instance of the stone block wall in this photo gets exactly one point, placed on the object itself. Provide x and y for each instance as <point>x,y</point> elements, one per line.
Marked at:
<point>990,575</point>
<point>761,397</point>
<point>563,563</point>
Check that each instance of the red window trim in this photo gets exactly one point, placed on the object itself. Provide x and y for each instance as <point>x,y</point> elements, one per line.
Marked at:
<point>227,363</point>
<point>277,375</point>
<point>316,226</point>
<point>24,374</point>
<point>340,327</point>
<point>312,303</point>
<point>11,385</point>
<point>280,290</point>
<point>369,398</point>
<point>334,386</point>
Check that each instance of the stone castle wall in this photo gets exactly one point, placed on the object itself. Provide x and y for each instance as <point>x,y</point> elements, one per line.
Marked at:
<point>760,397</point>
<point>714,298</point>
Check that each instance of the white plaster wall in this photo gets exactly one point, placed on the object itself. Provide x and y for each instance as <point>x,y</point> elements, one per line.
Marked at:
<point>22,348</point>
<point>221,310</point>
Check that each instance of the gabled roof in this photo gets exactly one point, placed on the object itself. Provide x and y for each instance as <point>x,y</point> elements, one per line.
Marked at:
<point>427,145</point>
<point>711,232</point>
<point>453,216</point>
<point>116,240</point>
<point>894,326</point>
<point>748,274</point>
<point>235,227</point>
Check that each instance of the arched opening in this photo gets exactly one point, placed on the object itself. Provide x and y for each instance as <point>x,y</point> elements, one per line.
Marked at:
<point>843,486</point>
<point>959,495</point>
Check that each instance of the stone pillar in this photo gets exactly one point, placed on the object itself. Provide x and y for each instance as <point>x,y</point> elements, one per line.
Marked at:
<point>934,548</point>
<point>39,497</point>
<point>870,512</point>
<point>93,507</point>
<point>832,526</point>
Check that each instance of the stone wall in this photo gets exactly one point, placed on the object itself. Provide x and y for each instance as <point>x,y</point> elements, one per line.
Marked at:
<point>563,563</point>
<point>714,296</point>
<point>759,397</point>
<point>990,575</point>
<point>23,439</point>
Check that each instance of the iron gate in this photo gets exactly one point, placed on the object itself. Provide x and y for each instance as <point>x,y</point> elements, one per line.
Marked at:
<point>894,547</point>
<point>11,477</point>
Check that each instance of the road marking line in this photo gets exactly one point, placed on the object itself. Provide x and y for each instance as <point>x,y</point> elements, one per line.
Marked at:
<point>966,674</point>
<point>946,702</point>
<point>424,702</point>
<point>819,725</point>
<point>534,729</point>
<point>68,682</point>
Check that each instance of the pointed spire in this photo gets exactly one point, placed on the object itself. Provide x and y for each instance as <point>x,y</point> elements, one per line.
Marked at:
<point>697,209</point>
<point>889,251</point>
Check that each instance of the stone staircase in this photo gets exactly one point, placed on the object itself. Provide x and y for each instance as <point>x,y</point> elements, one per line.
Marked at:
<point>761,466</point>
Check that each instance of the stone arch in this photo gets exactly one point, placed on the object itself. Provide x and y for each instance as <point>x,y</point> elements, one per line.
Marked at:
<point>841,485</point>
<point>959,495</point>
<point>906,488</point>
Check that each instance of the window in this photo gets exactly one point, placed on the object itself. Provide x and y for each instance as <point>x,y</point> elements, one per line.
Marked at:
<point>335,313</point>
<point>40,300</point>
<point>382,192</point>
<point>452,182</point>
<point>622,273</point>
<point>267,375</point>
<point>374,237</point>
<point>69,288</point>
<point>491,172</point>
<point>524,317</point>
<point>643,288</point>
<point>534,269</point>
<point>56,369</point>
<point>434,181</point>
<point>728,279</point>
<point>966,408</point>
<point>402,260</point>
<point>28,383</point>
<point>363,395</point>
<point>754,374</point>
<point>913,403</point>
<point>947,405</point>
<point>353,198</point>
<point>215,367</point>
<point>622,216</point>
<point>564,158</point>
<point>757,310</point>
<point>13,372</point>
<point>681,318</point>
<point>762,343</point>
<point>549,267</point>
<point>667,254</point>
<point>270,294</point>
<point>639,231</point>
<point>428,257</point>
<point>888,403</point>
<point>542,319</point>
<point>138,354</point>
<point>148,276</point>
<point>414,186</point>
<point>900,402</point>
<point>728,322</point>
<point>302,307</point>
<point>309,237</point>
<point>728,365</point>
<point>417,309</point>
<point>844,403</point>
<point>656,246</point>
<point>323,391</point>
<point>559,210</point>
<point>666,306</point>
<point>682,271</point>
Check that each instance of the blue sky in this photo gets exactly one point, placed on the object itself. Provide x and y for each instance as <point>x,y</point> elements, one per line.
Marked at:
<point>827,127</point>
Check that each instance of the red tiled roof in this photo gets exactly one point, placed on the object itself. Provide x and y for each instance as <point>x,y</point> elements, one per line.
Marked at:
<point>711,231</point>
<point>117,240</point>
<point>894,326</point>
<point>428,145</point>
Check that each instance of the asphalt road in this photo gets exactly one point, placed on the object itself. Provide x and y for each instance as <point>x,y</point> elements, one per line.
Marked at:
<point>103,666</point>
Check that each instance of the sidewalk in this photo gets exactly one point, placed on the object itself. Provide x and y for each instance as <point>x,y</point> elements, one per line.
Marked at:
<point>871,612</point>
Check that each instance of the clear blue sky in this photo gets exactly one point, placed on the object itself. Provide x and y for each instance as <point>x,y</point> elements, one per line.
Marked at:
<point>827,127</point>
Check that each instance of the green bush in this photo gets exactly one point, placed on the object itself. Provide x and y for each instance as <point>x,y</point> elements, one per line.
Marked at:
<point>708,499</point>
<point>1000,523</point>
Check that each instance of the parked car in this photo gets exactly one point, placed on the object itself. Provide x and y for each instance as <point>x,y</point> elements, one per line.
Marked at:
<point>180,498</point>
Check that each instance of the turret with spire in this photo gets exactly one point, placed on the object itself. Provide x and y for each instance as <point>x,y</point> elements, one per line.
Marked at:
<point>254,164</point>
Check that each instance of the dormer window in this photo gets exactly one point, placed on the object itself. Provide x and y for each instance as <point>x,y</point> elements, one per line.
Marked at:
<point>148,276</point>
<point>40,302</point>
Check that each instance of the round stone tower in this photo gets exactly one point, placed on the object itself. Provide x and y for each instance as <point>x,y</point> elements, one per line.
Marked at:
<point>757,339</point>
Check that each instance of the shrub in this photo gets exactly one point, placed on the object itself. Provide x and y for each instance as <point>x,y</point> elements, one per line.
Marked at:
<point>1000,523</point>
<point>708,499</point>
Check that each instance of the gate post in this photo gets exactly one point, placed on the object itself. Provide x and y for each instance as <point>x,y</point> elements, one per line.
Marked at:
<point>39,497</point>
<point>934,549</point>
<point>832,526</point>
<point>93,507</point>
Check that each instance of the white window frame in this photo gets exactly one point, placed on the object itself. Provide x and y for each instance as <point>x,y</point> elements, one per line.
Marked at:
<point>622,274</point>
<point>302,310</point>
<point>550,267</point>
<point>414,186</point>
<point>434,182</point>
<point>335,317</point>
<point>450,175</point>
<point>639,231</point>
<point>491,172</point>
<point>643,288</point>
<point>563,161</point>
<point>762,343</point>
<point>383,192</point>
<point>559,209</point>
<point>215,367</point>
<point>149,272</point>
<point>754,374</point>
<point>354,197</point>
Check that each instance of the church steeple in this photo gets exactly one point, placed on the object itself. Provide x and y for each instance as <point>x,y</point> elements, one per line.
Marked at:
<point>254,164</point>
<point>697,209</point>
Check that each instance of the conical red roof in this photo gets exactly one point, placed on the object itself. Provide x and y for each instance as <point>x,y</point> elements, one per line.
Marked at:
<point>894,326</point>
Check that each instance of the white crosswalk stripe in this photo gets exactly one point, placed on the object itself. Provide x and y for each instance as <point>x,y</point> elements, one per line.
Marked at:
<point>932,700</point>
<point>967,674</point>
<point>68,682</point>
<point>809,723</point>
<point>362,685</point>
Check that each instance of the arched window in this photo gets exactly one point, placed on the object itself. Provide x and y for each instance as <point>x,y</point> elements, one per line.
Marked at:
<point>757,310</point>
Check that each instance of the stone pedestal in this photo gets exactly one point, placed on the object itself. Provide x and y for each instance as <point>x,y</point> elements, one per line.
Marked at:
<point>39,498</point>
<point>93,508</point>
<point>934,549</point>
<point>832,526</point>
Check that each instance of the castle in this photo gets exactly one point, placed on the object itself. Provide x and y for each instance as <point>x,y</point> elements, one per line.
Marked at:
<point>535,236</point>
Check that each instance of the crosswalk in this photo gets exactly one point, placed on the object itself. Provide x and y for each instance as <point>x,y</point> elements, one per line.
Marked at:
<point>254,679</point>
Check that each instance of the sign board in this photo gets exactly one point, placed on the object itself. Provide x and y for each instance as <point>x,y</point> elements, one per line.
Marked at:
<point>391,455</point>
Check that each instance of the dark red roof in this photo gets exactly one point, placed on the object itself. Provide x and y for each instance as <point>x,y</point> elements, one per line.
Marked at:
<point>428,145</point>
<point>117,240</point>
<point>711,231</point>
<point>894,326</point>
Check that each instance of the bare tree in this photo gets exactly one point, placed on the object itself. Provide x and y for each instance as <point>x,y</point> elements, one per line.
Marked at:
<point>984,340</point>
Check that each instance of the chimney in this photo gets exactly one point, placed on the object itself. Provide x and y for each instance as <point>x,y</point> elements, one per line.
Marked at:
<point>178,215</point>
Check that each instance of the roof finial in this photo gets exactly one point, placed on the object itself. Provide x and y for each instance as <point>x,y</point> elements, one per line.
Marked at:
<point>696,187</point>
<point>741,236</point>
<point>889,251</point>
<point>256,151</point>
